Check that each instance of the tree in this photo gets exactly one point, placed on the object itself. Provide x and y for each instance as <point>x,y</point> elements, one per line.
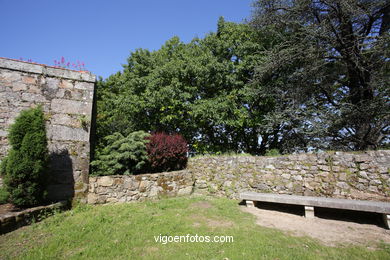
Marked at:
<point>201,90</point>
<point>328,72</point>
<point>25,167</point>
<point>122,154</point>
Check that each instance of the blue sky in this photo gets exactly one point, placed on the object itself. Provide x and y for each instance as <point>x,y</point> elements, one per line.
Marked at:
<point>103,33</point>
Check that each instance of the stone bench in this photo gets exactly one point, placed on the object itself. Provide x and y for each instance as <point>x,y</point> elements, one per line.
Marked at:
<point>310,202</point>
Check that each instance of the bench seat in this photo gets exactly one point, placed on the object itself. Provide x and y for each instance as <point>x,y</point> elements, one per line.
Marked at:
<point>310,202</point>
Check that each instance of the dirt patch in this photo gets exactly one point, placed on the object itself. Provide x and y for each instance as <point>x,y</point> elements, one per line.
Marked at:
<point>330,232</point>
<point>202,205</point>
<point>211,223</point>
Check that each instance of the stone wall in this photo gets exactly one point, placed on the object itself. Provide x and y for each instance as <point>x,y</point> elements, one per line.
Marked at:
<point>362,175</point>
<point>13,220</point>
<point>125,188</point>
<point>67,100</point>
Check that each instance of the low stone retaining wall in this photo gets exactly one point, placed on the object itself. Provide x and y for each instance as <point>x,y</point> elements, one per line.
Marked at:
<point>124,188</point>
<point>363,175</point>
<point>14,220</point>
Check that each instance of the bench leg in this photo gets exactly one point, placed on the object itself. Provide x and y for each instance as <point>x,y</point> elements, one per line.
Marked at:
<point>250,204</point>
<point>386,219</point>
<point>309,212</point>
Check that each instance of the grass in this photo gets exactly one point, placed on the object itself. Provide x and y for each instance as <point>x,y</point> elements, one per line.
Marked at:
<point>126,231</point>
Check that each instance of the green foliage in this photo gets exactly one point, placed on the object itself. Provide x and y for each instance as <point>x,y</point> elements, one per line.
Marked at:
<point>201,90</point>
<point>3,166</point>
<point>122,154</point>
<point>26,163</point>
<point>4,195</point>
<point>272,152</point>
<point>303,75</point>
<point>328,72</point>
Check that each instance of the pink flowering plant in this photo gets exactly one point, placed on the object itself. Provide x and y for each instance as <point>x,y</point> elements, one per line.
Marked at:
<point>62,63</point>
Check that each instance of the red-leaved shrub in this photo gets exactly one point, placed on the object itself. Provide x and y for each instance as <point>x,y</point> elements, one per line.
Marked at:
<point>167,152</point>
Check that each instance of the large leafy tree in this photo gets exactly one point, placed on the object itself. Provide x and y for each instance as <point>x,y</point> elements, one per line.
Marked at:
<point>202,90</point>
<point>328,73</point>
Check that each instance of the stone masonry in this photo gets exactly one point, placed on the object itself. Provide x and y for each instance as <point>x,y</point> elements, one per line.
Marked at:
<point>125,188</point>
<point>67,100</point>
<point>363,175</point>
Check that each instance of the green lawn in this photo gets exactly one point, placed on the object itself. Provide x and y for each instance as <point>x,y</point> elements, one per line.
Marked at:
<point>126,231</point>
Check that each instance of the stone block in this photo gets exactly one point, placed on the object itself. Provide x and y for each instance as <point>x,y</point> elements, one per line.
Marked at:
<point>375,182</point>
<point>250,203</point>
<point>336,168</point>
<point>105,181</point>
<point>373,189</point>
<point>343,176</point>
<point>309,212</point>
<point>143,185</point>
<point>342,185</point>
<point>65,133</point>
<point>185,191</point>
<point>71,107</point>
<point>34,89</point>
<point>92,198</point>
<point>19,86</point>
<point>130,184</point>
<point>29,80</point>
<point>153,191</point>
<point>363,174</point>
<point>83,85</point>
<point>65,119</point>
<point>112,200</point>
<point>364,166</point>
<point>65,84</point>
<point>31,97</point>
<point>52,83</point>
<point>297,177</point>
<point>3,133</point>
<point>360,180</point>
<point>324,168</point>
<point>201,184</point>
<point>60,93</point>
<point>10,76</point>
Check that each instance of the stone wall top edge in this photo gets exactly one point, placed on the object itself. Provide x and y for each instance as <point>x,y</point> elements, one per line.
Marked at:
<point>46,70</point>
<point>140,175</point>
<point>352,153</point>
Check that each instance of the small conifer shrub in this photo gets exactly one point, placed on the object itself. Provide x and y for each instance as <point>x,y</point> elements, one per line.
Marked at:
<point>167,152</point>
<point>122,155</point>
<point>25,166</point>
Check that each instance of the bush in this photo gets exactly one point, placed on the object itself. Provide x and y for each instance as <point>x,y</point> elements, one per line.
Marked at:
<point>167,152</point>
<point>25,166</point>
<point>122,155</point>
<point>3,195</point>
<point>3,166</point>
